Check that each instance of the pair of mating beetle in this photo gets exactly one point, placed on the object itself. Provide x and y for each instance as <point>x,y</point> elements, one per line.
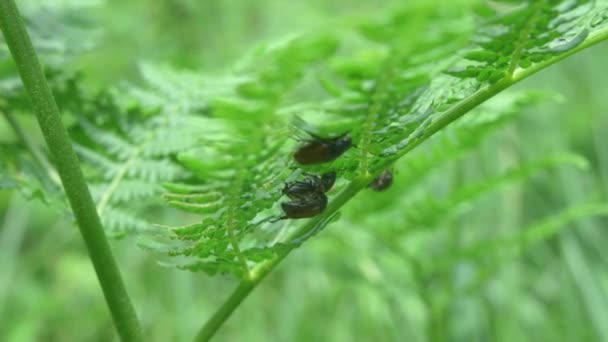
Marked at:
<point>307,197</point>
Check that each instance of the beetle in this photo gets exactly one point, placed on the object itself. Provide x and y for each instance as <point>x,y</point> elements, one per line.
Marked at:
<point>305,207</point>
<point>312,184</point>
<point>322,150</point>
<point>307,196</point>
<point>383,181</point>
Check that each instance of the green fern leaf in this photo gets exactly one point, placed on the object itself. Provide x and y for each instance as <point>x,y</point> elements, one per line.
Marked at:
<point>389,93</point>
<point>57,30</point>
<point>240,169</point>
<point>128,161</point>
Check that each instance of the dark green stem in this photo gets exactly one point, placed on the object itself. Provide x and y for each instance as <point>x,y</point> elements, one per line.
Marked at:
<point>69,171</point>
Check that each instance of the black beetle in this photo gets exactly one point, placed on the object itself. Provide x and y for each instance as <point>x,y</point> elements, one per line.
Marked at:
<point>307,196</point>
<point>322,150</point>
<point>312,184</point>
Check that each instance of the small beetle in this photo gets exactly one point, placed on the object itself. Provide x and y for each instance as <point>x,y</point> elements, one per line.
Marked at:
<point>305,207</point>
<point>322,150</point>
<point>383,181</point>
<point>311,185</point>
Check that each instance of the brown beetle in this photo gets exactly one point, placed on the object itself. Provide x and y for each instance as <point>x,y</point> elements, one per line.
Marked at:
<point>307,196</point>
<point>305,207</point>
<point>322,150</point>
<point>383,181</point>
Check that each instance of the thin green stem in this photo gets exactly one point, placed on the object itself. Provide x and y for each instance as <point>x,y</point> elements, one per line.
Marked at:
<point>455,112</point>
<point>593,39</point>
<point>225,311</point>
<point>524,36</point>
<point>377,102</point>
<point>68,167</point>
<point>105,197</point>
<point>263,269</point>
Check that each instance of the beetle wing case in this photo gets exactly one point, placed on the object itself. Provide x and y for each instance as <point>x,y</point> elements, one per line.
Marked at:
<point>321,150</point>
<point>313,153</point>
<point>305,207</point>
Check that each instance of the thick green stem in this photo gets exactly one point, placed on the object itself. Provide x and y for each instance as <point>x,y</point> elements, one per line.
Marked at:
<point>69,171</point>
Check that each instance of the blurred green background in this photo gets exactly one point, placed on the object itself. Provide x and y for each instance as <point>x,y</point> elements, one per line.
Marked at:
<point>348,284</point>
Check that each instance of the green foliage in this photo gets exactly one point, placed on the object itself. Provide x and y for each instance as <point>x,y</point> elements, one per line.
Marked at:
<point>508,247</point>
<point>428,211</point>
<point>57,29</point>
<point>383,90</point>
<point>235,170</point>
<point>20,172</point>
<point>127,160</point>
<point>421,214</point>
<point>465,135</point>
<point>388,93</point>
<point>194,162</point>
<point>69,22</point>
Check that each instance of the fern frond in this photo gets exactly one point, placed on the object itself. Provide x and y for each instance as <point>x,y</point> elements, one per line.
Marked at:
<point>129,160</point>
<point>57,30</point>
<point>173,91</point>
<point>242,169</point>
<point>19,171</point>
<point>406,106</point>
<point>389,93</point>
<point>464,135</point>
<point>120,221</point>
<point>60,31</point>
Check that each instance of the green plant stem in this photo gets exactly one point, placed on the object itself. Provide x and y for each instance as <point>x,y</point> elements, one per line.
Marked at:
<point>225,311</point>
<point>261,270</point>
<point>69,171</point>
<point>463,107</point>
